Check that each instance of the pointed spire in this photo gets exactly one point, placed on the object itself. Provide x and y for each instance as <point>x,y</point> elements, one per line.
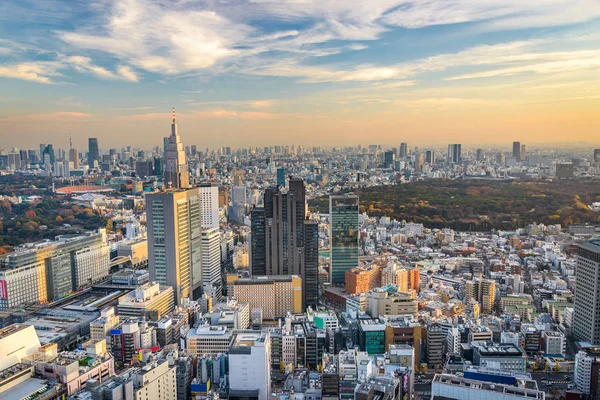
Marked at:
<point>173,114</point>
<point>70,141</point>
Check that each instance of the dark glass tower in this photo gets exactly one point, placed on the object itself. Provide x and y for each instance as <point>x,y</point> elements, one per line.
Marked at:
<point>93,152</point>
<point>343,220</point>
<point>257,224</point>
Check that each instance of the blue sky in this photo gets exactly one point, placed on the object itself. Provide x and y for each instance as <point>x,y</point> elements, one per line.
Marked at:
<point>305,71</point>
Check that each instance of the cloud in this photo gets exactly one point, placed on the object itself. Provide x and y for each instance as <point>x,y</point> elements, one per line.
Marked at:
<point>217,113</point>
<point>40,71</point>
<point>61,116</point>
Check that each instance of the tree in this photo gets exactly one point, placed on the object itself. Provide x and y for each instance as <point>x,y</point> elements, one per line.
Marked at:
<point>30,214</point>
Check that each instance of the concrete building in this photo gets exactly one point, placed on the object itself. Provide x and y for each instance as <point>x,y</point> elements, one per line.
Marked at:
<point>381,302</point>
<point>363,279</point>
<point>395,275</point>
<point>45,271</point>
<point>155,381</point>
<point>446,386</point>
<point>499,357</point>
<point>17,341</point>
<point>101,327</point>
<point>149,300</point>
<point>555,342</point>
<point>435,346</point>
<point>174,241</point>
<point>482,290</point>
<point>275,295</point>
<point>209,340</point>
<point>211,262</point>
<point>209,205</point>
<point>249,366</point>
<point>586,317</point>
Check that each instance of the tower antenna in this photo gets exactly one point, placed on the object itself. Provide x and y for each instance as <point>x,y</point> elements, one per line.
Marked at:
<point>70,142</point>
<point>173,114</point>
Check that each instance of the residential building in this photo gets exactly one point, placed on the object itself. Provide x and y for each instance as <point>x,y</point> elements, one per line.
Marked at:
<point>363,279</point>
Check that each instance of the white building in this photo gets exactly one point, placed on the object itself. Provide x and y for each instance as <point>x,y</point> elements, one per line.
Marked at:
<point>556,342</point>
<point>250,365</point>
<point>448,386</point>
<point>155,381</point>
<point>583,371</point>
<point>209,340</point>
<point>209,205</point>
<point>211,262</point>
<point>16,342</point>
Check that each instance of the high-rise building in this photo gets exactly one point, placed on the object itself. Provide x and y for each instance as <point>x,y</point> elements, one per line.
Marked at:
<point>482,290</point>
<point>279,231</point>
<point>586,318</point>
<point>479,155</point>
<point>388,159</point>
<point>523,152</point>
<point>211,263</point>
<point>52,270</point>
<point>430,157</point>
<point>250,366</point>
<point>238,204</point>
<point>596,155</point>
<point>281,177</point>
<point>454,154</point>
<point>74,157</point>
<point>344,232</point>
<point>176,168</point>
<point>174,240</point>
<point>310,277</point>
<point>93,152</point>
<point>209,194</point>
<point>275,295</point>
<point>403,150</point>
<point>516,151</point>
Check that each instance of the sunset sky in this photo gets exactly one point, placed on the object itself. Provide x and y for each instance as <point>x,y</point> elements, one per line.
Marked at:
<point>311,72</point>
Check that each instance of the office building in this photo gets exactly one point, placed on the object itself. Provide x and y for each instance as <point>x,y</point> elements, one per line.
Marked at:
<point>175,240</point>
<point>381,302</point>
<point>16,342</point>
<point>371,336</point>
<point>479,155</point>
<point>516,151</point>
<point>403,150</point>
<point>275,295</point>
<point>176,174</point>
<point>93,153</point>
<point>435,346</point>
<point>211,263</point>
<point>250,366</point>
<point>74,158</point>
<point>344,236</point>
<point>586,318</point>
<point>100,328</point>
<point>453,387</point>
<point>50,270</point>
<point>596,155</point>
<point>430,157</point>
<point>388,159</point>
<point>208,340</point>
<point>363,279</point>
<point>238,204</point>
<point>281,177</point>
<point>148,300</point>
<point>155,381</point>
<point>499,357</point>
<point>209,205</point>
<point>279,231</point>
<point>523,152</point>
<point>454,155</point>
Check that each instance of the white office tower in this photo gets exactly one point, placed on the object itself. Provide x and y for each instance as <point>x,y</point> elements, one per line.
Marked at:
<point>16,342</point>
<point>583,371</point>
<point>209,195</point>
<point>250,365</point>
<point>211,263</point>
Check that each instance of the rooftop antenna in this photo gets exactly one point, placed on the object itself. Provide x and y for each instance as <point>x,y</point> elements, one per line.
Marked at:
<point>70,142</point>
<point>173,114</point>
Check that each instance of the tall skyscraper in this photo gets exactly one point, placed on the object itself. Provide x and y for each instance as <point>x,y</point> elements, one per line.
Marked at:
<point>479,155</point>
<point>586,317</point>
<point>209,193</point>
<point>597,155</point>
<point>430,157</point>
<point>176,168</point>
<point>279,242</point>
<point>74,157</point>
<point>93,152</point>
<point>238,203</point>
<point>211,263</point>
<point>403,150</point>
<point>388,159</point>
<point>523,152</point>
<point>281,177</point>
<point>344,232</point>
<point>175,240</point>
<point>454,153</point>
<point>517,150</point>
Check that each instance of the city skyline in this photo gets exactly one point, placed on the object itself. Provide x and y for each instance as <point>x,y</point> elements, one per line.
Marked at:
<point>312,73</point>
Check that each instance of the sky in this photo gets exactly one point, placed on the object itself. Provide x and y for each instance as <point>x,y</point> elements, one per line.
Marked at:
<point>312,72</point>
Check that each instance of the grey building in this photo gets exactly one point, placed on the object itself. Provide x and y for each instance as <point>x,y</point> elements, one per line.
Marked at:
<point>586,318</point>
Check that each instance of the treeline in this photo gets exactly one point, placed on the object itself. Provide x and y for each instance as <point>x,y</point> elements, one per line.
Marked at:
<point>480,205</point>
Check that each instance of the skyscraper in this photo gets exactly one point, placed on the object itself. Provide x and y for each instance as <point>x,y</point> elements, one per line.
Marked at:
<point>211,263</point>
<point>74,157</point>
<point>343,222</point>
<point>238,203</point>
<point>517,150</point>
<point>479,155</point>
<point>93,152</point>
<point>281,177</point>
<point>279,243</point>
<point>388,159</point>
<point>174,240</point>
<point>403,150</point>
<point>209,193</point>
<point>176,168</point>
<point>430,157</point>
<point>597,155</point>
<point>523,152</point>
<point>454,153</point>
<point>586,317</point>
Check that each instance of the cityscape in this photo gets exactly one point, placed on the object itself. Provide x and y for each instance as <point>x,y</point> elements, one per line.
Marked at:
<point>245,250</point>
